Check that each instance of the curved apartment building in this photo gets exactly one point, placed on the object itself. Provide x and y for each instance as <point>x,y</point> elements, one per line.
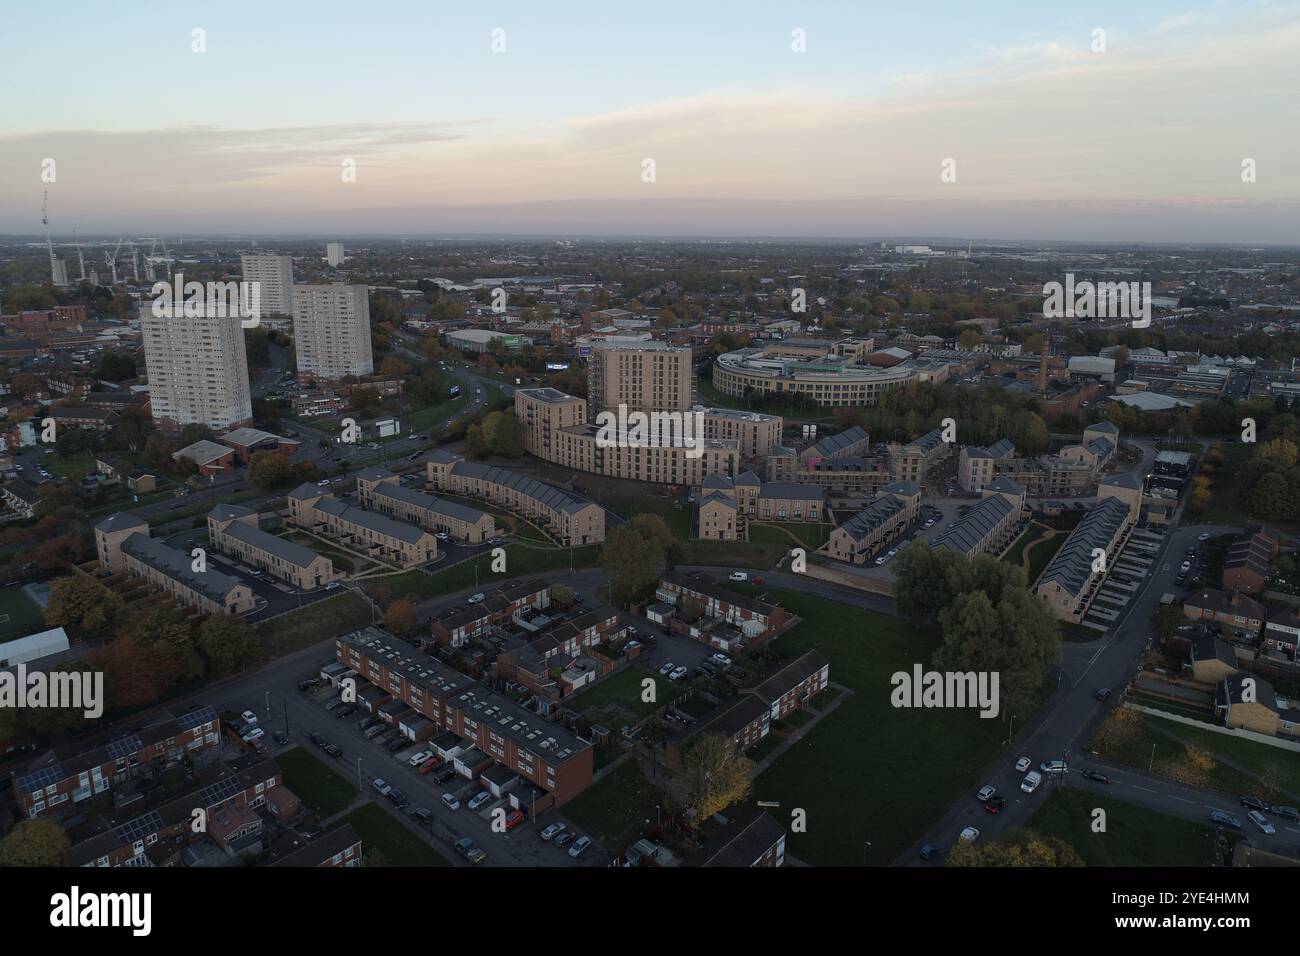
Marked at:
<point>830,380</point>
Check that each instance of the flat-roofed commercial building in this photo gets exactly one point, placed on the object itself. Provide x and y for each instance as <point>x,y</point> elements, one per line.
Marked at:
<point>380,490</point>
<point>198,370</point>
<point>234,530</point>
<point>531,746</point>
<point>172,571</point>
<point>570,519</point>
<point>479,341</point>
<point>871,530</point>
<point>368,532</point>
<point>331,331</point>
<point>643,376</point>
<point>990,526</point>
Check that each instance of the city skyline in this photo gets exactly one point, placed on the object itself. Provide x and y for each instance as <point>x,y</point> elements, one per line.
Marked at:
<point>1050,139</point>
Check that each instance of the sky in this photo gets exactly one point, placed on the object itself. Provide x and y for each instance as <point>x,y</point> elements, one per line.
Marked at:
<point>998,120</point>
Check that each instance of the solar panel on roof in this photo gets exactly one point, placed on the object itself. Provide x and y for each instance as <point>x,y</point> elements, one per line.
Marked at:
<point>125,746</point>
<point>39,779</point>
<point>142,826</point>
<point>215,793</point>
<point>196,718</point>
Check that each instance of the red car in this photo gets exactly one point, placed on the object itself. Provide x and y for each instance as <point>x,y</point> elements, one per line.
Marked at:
<point>995,804</point>
<point>514,818</point>
<point>433,763</point>
<point>757,580</point>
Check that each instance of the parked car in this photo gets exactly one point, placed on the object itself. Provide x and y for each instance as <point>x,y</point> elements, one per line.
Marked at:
<point>333,586</point>
<point>514,818</point>
<point>721,658</point>
<point>466,848</point>
<point>677,673</point>
<point>564,839</point>
<point>1252,803</point>
<point>986,793</point>
<point>1023,764</point>
<point>995,805</point>
<point>476,598</point>
<point>431,764</point>
<point>738,576</point>
<point>422,815</point>
<point>374,731</point>
<point>1053,766</point>
<point>1224,819</point>
<point>579,846</point>
<point>479,799</point>
<point>450,802</point>
<point>969,835</point>
<point>443,774</point>
<point>249,717</point>
<point>1261,821</point>
<point>1288,813</point>
<point>400,799</point>
<point>666,669</point>
<point>252,733</point>
<point>929,851</point>
<point>281,738</point>
<point>1102,693</point>
<point>395,745</point>
<point>381,786</point>
<point>309,683</point>
<point>334,750</point>
<point>347,710</point>
<point>320,741</point>
<point>1096,775</point>
<point>1031,781</point>
<point>551,831</point>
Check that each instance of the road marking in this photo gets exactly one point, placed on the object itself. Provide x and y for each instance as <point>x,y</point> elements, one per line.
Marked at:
<point>1146,789</point>
<point>1183,799</point>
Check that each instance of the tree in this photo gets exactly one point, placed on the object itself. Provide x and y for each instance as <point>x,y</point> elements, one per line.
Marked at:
<point>400,617</point>
<point>562,596</point>
<point>366,400</point>
<point>167,632</point>
<point>81,605</point>
<point>270,470</point>
<point>714,775</point>
<point>115,366</point>
<point>135,673</point>
<point>34,843</point>
<point>229,645</point>
<point>1018,848</point>
<point>634,554</point>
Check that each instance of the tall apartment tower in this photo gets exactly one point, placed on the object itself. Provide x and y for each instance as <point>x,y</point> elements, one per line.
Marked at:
<point>334,254</point>
<point>331,331</point>
<point>198,371</point>
<point>645,376</point>
<point>275,273</point>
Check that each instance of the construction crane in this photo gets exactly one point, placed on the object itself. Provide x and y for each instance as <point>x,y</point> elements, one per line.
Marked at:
<point>111,260</point>
<point>81,259</point>
<point>58,271</point>
<point>135,263</point>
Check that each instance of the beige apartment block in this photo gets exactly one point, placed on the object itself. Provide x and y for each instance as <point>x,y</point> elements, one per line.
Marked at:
<point>380,490</point>
<point>644,376</point>
<point>367,532</point>
<point>274,275</point>
<point>198,370</point>
<point>331,331</point>
<point>111,533</point>
<point>172,572</point>
<point>234,530</point>
<point>869,532</point>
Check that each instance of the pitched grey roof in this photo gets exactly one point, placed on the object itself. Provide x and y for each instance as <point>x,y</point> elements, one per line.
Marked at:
<point>176,565</point>
<point>1006,486</point>
<point>119,521</point>
<point>227,512</point>
<point>748,478</point>
<point>307,490</point>
<point>295,554</point>
<point>1071,567</point>
<point>548,495</point>
<point>420,499</point>
<point>907,488</point>
<point>833,445</point>
<point>968,530</point>
<point>372,520</point>
<point>374,474</point>
<point>790,489</point>
<point>1124,479</point>
<point>872,517</point>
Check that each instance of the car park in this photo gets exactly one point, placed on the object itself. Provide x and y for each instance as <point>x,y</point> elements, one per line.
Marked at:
<point>551,831</point>
<point>1224,819</point>
<point>579,846</point>
<point>666,668</point>
<point>479,799</point>
<point>677,673</point>
<point>1261,821</point>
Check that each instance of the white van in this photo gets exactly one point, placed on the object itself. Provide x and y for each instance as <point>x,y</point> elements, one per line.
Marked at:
<point>1031,781</point>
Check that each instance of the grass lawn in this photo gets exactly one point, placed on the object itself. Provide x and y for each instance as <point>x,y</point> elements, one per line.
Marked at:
<point>417,585</point>
<point>1130,740</point>
<point>1040,556</point>
<point>909,764</point>
<point>614,811</point>
<point>342,560</point>
<point>715,397</point>
<point>764,747</point>
<point>1134,836</point>
<point>624,688</point>
<point>385,842</point>
<point>21,616</point>
<point>506,522</point>
<point>314,623</point>
<point>434,415</point>
<point>73,467</point>
<point>765,547</point>
<point>316,783</point>
<point>811,535</point>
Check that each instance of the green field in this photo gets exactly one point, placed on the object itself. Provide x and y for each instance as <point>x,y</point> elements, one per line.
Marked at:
<point>316,784</point>
<point>1134,836</point>
<point>520,561</point>
<point>21,614</point>
<point>624,688</point>
<point>1265,771</point>
<point>385,842</point>
<point>434,415</point>
<point>615,810</point>
<point>908,764</point>
<point>314,623</point>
